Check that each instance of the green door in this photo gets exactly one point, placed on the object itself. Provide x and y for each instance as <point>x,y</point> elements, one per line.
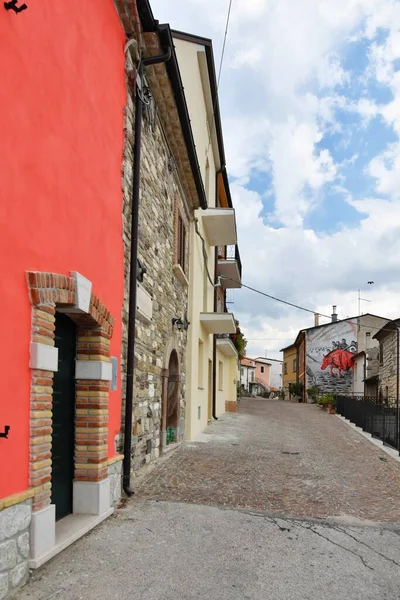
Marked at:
<point>63,417</point>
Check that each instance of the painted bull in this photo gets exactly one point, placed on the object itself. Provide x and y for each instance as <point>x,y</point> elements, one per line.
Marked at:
<point>342,360</point>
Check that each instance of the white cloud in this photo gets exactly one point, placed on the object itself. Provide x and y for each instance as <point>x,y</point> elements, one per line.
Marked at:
<point>385,168</point>
<point>279,97</point>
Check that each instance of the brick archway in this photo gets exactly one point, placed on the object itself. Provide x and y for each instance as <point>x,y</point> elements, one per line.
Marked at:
<point>72,295</point>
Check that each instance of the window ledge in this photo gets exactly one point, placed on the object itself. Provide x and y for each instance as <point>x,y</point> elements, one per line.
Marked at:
<point>179,274</point>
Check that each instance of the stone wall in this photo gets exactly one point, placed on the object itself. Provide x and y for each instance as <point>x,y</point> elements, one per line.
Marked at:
<point>114,474</point>
<point>14,546</point>
<point>388,370</point>
<point>161,200</point>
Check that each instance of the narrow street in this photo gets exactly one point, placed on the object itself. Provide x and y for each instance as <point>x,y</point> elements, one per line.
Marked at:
<point>280,501</point>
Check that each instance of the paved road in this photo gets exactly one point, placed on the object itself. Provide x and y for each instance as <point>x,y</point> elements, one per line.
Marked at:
<point>294,459</point>
<point>225,530</point>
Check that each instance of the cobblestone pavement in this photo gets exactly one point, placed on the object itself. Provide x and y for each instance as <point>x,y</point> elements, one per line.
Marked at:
<point>284,458</point>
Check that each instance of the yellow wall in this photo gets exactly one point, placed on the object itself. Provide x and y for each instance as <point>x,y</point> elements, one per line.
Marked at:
<point>228,391</point>
<point>190,56</point>
<point>201,292</point>
<point>192,65</point>
<point>197,392</point>
<point>289,356</point>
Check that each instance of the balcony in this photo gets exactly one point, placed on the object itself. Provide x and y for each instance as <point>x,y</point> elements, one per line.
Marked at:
<point>229,267</point>
<point>219,226</point>
<point>218,322</point>
<point>226,346</point>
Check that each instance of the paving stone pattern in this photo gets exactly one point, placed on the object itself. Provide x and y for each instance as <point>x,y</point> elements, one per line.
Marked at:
<point>281,457</point>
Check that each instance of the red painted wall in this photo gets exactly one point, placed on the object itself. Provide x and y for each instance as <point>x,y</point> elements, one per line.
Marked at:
<point>62,96</point>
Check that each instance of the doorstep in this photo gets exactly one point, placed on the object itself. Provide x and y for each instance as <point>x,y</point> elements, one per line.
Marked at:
<point>68,530</point>
<point>171,447</point>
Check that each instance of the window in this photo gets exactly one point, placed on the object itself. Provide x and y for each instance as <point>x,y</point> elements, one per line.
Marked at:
<point>262,369</point>
<point>242,372</point>
<point>251,376</point>
<point>285,368</point>
<point>381,353</point>
<point>294,365</point>
<point>200,364</point>
<point>181,239</point>
<point>220,375</point>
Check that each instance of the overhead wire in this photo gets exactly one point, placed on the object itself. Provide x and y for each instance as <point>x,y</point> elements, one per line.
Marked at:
<point>308,310</point>
<point>219,76</point>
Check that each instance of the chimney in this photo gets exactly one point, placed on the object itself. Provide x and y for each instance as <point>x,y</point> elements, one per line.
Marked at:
<point>316,319</point>
<point>334,313</point>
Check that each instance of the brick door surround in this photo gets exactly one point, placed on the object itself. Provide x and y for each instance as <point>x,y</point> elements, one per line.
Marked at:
<point>51,292</point>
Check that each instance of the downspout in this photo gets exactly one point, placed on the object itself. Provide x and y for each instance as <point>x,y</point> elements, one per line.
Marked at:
<point>214,349</point>
<point>153,60</point>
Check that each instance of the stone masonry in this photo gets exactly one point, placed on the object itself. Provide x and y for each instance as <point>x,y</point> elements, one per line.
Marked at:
<point>161,200</point>
<point>114,475</point>
<point>14,546</point>
<point>388,366</point>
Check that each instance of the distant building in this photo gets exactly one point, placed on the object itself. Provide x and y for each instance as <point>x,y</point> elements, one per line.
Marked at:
<point>326,353</point>
<point>289,369</point>
<point>247,373</point>
<point>275,372</point>
<point>263,375</point>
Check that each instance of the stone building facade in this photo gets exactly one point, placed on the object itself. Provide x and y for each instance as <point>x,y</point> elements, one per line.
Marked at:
<point>162,203</point>
<point>388,352</point>
<point>168,197</point>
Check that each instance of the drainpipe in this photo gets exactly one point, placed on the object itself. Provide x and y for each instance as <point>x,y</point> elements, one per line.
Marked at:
<point>214,349</point>
<point>153,60</point>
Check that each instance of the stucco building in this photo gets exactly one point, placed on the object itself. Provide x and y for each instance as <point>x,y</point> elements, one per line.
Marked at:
<point>289,369</point>
<point>211,357</point>
<point>63,99</point>
<point>112,315</point>
<point>247,373</point>
<point>325,353</point>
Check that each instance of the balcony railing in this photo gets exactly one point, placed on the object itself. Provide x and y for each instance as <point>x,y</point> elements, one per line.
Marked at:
<point>230,265</point>
<point>232,252</point>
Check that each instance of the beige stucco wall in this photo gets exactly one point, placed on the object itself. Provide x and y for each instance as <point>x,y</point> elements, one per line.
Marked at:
<point>368,324</point>
<point>189,57</point>
<point>226,392</point>
<point>201,292</point>
<point>358,376</point>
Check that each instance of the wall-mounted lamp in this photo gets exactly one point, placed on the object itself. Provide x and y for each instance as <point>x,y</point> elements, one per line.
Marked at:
<point>181,324</point>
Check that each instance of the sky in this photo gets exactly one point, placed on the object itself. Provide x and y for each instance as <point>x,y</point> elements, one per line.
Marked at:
<point>310,105</point>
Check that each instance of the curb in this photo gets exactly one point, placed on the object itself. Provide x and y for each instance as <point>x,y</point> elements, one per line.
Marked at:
<point>393,453</point>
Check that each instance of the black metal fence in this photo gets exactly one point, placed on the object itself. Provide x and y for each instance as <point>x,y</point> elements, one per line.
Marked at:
<point>380,419</point>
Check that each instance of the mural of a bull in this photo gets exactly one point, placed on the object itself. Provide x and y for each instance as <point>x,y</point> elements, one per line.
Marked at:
<point>342,360</point>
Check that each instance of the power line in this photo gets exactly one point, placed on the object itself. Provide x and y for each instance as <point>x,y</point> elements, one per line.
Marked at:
<point>219,76</point>
<point>314,312</point>
<point>223,45</point>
